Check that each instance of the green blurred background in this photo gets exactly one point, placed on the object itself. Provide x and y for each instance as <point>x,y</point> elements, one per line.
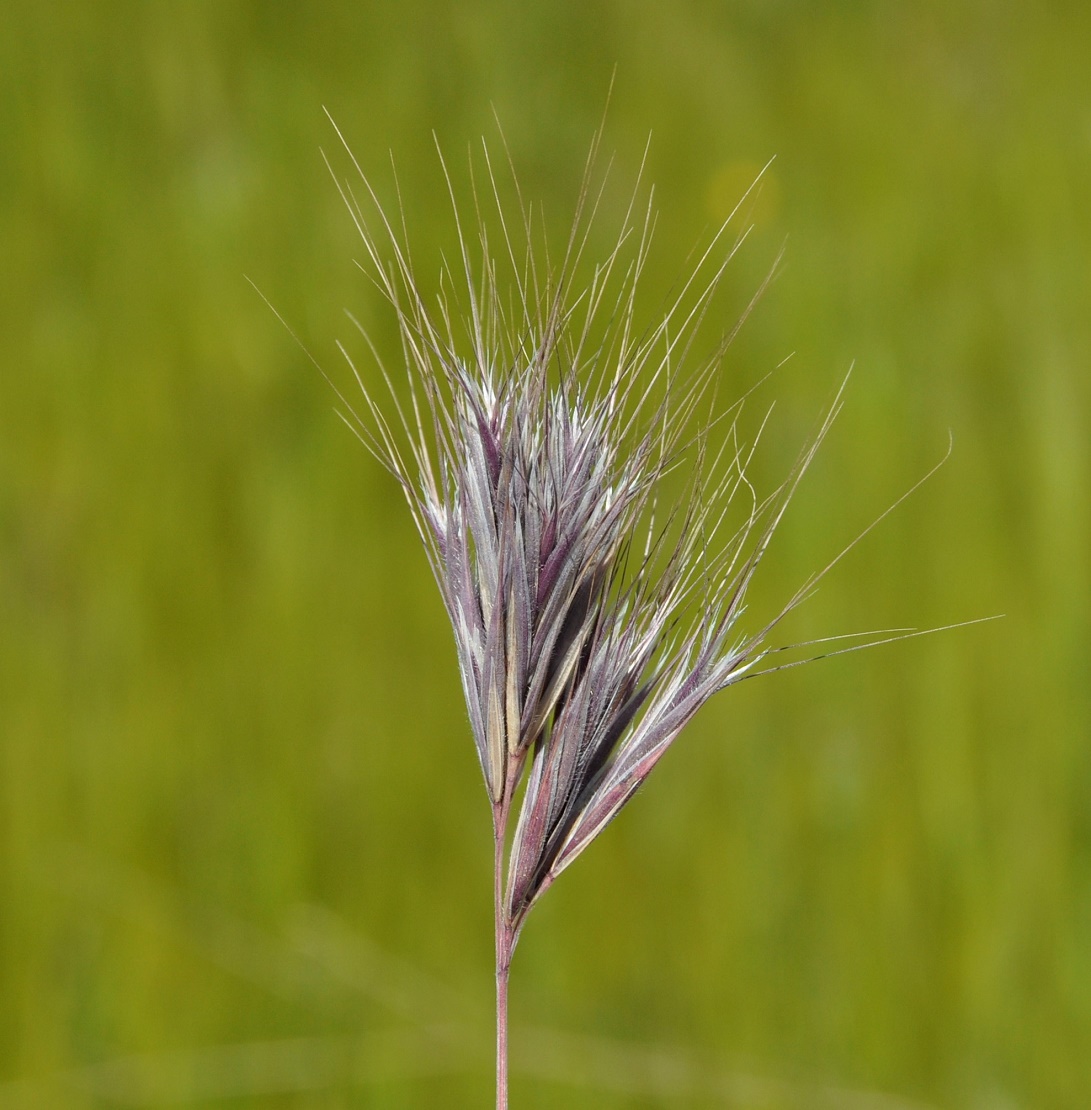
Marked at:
<point>244,845</point>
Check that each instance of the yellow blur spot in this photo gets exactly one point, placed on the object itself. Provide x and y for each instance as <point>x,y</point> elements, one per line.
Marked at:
<point>744,185</point>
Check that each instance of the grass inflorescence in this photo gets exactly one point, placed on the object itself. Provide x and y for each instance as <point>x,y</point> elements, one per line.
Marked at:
<point>533,434</point>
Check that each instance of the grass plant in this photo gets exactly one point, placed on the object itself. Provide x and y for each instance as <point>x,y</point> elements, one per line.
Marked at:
<point>533,435</point>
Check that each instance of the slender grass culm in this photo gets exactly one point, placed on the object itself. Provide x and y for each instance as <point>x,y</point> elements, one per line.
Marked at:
<point>592,618</point>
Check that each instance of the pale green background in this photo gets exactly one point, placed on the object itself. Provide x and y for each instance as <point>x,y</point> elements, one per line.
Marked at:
<point>242,830</point>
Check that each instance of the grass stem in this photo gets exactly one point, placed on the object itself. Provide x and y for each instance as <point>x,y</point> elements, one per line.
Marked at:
<point>504,937</point>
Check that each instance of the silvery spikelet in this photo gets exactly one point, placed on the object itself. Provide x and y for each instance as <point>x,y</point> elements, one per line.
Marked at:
<point>533,435</point>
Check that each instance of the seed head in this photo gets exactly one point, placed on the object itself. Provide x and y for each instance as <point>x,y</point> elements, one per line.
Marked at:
<point>538,431</point>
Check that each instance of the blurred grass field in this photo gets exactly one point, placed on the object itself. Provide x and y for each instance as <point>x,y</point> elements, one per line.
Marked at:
<point>244,845</point>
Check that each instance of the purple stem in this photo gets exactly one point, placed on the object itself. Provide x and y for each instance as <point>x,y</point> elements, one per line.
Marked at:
<point>504,939</point>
